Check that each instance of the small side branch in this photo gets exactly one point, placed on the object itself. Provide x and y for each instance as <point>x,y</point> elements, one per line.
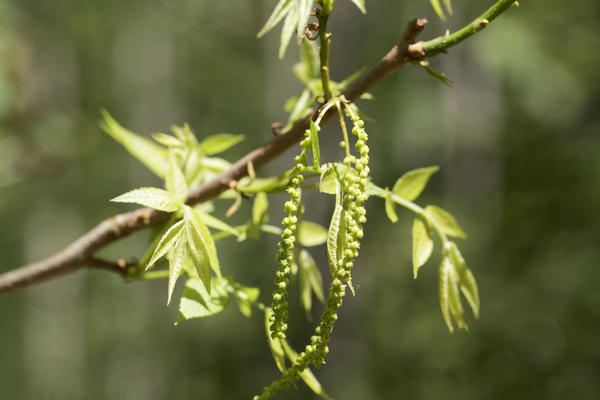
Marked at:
<point>80,253</point>
<point>442,43</point>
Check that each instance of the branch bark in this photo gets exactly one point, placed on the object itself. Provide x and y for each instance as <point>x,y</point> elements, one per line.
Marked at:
<point>80,253</point>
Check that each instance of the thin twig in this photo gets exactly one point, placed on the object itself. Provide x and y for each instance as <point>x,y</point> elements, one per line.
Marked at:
<point>80,252</point>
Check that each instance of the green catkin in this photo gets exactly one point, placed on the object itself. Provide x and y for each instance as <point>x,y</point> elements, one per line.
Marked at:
<point>354,199</point>
<point>286,244</point>
<point>355,185</point>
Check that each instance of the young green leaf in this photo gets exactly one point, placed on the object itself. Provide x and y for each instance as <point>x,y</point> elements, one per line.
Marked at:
<point>454,302</point>
<point>422,245</point>
<point>176,264</point>
<point>361,5</point>
<point>314,139</point>
<point>272,184</point>
<point>311,234</point>
<point>310,60</point>
<point>218,143</point>
<point>310,280</point>
<point>300,109</point>
<point>166,242</point>
<point>342,239</point>
<point>215,164</point>
<point>151,155</point>
<point>203,238</point>
<point>444,283</point>
<point>390,209</point>
<point>193,167</point>
<point>196,302</point>
<point>167,140</point>
<point>189,267</point>
<point>260,215</point>
<point>331,173</point>
<point>246,297</point>
<point>328,182</point>
<point>410,185</point>
<point>315,278</point>
<point>305,290</point>
<point>374,190</point>
<point>468,285</point>
<point>280,11</point>
<point>304,9</point>
<point>448,5</point>
<point>216,223</point>
<point>274,344</point>
<point>289,26</point>
<point>307,376</point>
<point>437,7</point>
<point>184,133</point>
<point>175,181</point>
<point>150,197</point>
<point>198,253</point>
<point>332,237</point>
<point>446,221</point>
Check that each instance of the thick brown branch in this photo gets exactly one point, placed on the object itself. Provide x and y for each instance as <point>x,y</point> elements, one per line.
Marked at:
<point>80,252</point>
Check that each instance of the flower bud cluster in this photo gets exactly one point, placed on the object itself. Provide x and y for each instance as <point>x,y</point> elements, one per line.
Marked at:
<point>285,247</point>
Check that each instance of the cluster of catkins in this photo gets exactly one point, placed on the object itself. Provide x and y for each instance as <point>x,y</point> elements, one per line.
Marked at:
<point>354,185</point>
<point>285,254</point>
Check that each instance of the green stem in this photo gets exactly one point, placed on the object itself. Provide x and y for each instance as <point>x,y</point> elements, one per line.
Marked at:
<point>153,275</point>
<point>420,211</point>
<point>323,16</point>
<point>344,130</point>
<point>440,44</point>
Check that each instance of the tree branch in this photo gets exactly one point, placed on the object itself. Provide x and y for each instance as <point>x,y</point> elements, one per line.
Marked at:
<point>80,253</point>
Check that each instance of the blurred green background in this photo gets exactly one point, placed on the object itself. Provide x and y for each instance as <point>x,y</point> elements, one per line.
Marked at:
<point>517,140</point>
